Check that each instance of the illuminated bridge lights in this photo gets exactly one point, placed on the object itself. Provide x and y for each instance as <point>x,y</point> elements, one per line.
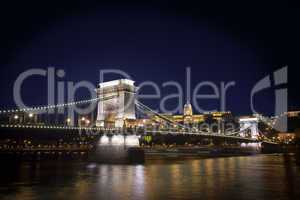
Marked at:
<point>145,109</point>
<point>52,106</point>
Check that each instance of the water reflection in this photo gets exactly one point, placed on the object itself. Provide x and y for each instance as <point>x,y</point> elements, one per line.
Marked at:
<point>114,148</point>
<point>255,177</point>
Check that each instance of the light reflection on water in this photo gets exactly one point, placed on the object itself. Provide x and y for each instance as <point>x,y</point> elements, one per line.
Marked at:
<point>113,149</point>
<point>253,177</point>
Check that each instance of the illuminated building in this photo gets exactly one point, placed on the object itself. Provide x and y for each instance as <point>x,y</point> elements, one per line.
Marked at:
<point>188,114</point>
<point>187,119</point>
<point>83,121</point>
<point>135,123</point>
<point>286,137</point>
<point>23,118</point>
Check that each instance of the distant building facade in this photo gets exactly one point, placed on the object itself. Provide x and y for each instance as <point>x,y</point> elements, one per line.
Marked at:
<point>187,119</point>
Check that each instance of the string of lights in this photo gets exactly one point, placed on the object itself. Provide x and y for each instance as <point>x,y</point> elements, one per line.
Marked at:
<point>143,108</point>
<point>21,126</point>
<point>40,108</point>
<point>53,127</point>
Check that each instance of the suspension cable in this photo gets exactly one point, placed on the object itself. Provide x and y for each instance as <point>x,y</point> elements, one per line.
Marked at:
<point>40,108</point>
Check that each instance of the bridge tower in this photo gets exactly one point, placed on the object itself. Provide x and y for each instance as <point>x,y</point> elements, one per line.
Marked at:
<point>119,105</point>
<point>250,123</point>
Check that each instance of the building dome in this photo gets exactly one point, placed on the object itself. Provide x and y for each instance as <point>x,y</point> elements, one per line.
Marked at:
<point>187,109</point>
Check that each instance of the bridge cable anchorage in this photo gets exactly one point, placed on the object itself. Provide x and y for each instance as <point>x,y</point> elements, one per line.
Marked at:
<point>237,131</point>
<point>268,120</point>
<point>40,108</point>
<point>146,109</point>
<point>271,121</point>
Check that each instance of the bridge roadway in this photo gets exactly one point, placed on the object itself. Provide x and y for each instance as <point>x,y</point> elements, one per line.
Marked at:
<point>141,107</point>
<point>115,131</point>
<point>206,135</point>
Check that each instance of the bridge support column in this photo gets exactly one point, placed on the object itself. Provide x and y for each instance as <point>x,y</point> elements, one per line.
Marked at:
<point>118,149</point>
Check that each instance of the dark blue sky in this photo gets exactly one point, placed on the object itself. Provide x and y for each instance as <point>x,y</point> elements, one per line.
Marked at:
<point>150,41</point>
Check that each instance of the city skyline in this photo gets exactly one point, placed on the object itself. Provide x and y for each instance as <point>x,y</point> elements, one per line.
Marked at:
<point>160,99</point>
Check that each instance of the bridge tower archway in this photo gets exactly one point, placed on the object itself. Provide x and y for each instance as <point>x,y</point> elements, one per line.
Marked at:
<point>122,106</point>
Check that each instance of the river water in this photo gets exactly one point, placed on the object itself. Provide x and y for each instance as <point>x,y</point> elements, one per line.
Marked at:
<point>248,177</point>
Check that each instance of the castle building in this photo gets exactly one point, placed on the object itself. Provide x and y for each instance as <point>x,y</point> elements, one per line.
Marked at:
<point>186,119</point>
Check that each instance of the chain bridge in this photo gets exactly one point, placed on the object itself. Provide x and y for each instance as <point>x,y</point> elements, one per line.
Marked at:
<point>114,105</point>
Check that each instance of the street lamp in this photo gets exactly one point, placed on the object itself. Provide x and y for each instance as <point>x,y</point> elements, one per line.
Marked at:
<point>30,115</point>
<point>16,117</point>
<point>68,121</point>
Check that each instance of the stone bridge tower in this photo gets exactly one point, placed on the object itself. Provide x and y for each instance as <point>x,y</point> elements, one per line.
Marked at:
<point>118,103</point>
<point>250,123</point>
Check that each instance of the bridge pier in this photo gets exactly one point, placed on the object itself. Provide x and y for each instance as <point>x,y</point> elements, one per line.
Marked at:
<point>118,149</point>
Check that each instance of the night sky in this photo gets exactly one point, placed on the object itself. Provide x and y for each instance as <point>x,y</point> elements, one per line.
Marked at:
<point>240,41</point>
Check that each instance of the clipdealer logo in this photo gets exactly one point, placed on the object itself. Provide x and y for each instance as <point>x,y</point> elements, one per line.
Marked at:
<point>280,80</point>
<point>275,80</point>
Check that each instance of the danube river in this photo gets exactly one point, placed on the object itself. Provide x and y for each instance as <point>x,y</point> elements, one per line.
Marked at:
<point>248,177</point>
